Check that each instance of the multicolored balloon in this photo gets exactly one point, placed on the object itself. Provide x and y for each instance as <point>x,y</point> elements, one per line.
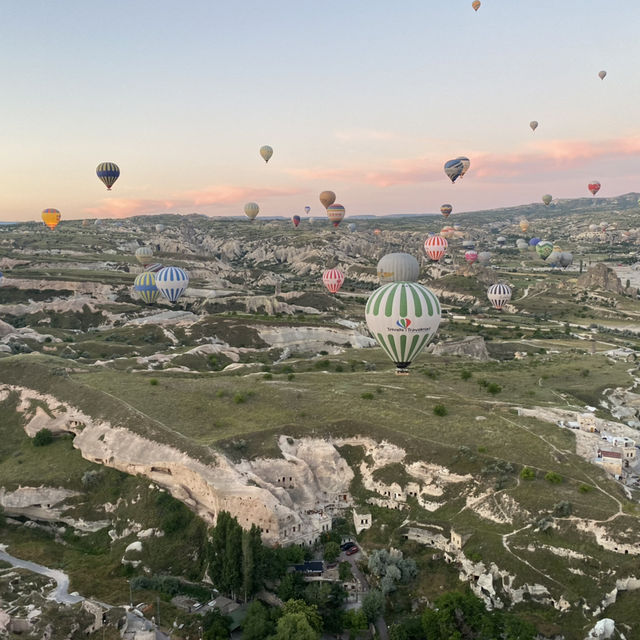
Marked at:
<point>499,295</point>
<point>327,198</point>
<point>466,163</point>
<point>307,209</point>
<point>144,255</point>
<point>172,282</point>
<point>435,247</point>
<point>544,249</point>
<point>251,210</point>
<point>398,267</point>
<point>145,285</point>
<point>594,187</point>
<point>454,169</point>
<point>476,4</point>
<point>51,217</point>
<point>333,279</point>
<point>335,213</point>
<point>446,210</point>
<point>471,256</point>
<point>546,199</point>
<point>296,221</point>
<point>403,317</point>
<point>108,172</point>
<point>266,152</point>
<point>534,125</point>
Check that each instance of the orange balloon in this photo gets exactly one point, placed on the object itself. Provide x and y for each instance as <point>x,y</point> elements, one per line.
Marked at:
<point>51,217</point>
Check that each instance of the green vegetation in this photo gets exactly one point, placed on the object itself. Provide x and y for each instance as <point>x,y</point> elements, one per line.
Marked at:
<point>43,438</point>
<point>440,410</point>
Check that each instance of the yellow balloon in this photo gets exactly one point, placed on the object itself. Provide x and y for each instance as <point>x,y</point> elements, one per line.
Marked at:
<point>475,4</point>
<point>51,217</point>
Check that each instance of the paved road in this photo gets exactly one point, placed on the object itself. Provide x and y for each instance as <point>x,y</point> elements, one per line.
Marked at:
<point>60,593</point>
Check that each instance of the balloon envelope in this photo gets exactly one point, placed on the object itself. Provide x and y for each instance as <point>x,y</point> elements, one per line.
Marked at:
<point>454,168</point>
<point>398,267</point>
<point>51,217</point>
<point>335,213</point>
<point>251,210</point>
<point>602,74</point>
<point>534,125</point>
<point>544,248</point>
<point>108,172</point>
<point>435,247</point>
<point>524,225</point>
<point>351,226</point>
<point>594,187</point>
<point>547,198</point>
<point>484,257</point>
<point>446,210</point>
<point>172,282</point>
<point>295,220</point>
<point>471,256</point>
<point>327,198</point>
<point>403,317</point>
<point>534,242</point>
<point>160,228</point>
<point>144,255</point>
<point>307,209</point>
<point>145,285</point>
<point>266,152</point>
<point>333,279</point>
<point>499,295</point>
<point>476,4</point>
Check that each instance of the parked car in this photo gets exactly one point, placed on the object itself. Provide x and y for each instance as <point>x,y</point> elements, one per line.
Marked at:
<point>347,545</point>
<point>351,550</point>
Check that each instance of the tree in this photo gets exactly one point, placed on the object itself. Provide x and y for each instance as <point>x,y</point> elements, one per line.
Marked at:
<point>43,438</point>
<point>216,625</point>
<point>353,621</point>
<point>344,571</point>
<point>331,551</point>
<point>309,611</point>
<point>291,587</point>
<point>373,605</point>
<point>409,628</point>
<point>258,623</point>
<point>295,626</point>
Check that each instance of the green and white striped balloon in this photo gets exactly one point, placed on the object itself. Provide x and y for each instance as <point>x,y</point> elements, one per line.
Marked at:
<point>403,317</point>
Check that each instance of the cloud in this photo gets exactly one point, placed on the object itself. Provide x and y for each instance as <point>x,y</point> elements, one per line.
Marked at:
<point>549,156</point>
<point>209,198</point>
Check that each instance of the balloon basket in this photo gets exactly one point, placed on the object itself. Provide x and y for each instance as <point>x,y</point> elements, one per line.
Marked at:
<point>402,372</point>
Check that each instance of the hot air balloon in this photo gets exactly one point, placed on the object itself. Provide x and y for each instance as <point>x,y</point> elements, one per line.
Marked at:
<point>553,258</point>
<point>155,267</point>
<point>108,172</point>
<point>145,285</point>
<point>403,317</point>
<point>51,217</point>
<point>307,209</point>
<point>534,125</point>
<point>266,152</point>
<point>466,163</point>
<point>501,240</point>
<point>468,244</point>
<point>499,295</point>
<point>446,210</point>
<point>160,228</point>
<point>172,282</point>
<point>144,255</point>
<point>327,198</point>
<point>97,222</point>
<point>484,257</point>
<point>333,279</point>
<point>544,249</point>
<point>524,225</point>
<point>521,244</point>
<point>295,220</point>
<point>335,213</point>
<point>476,4</point>
<point>454,168</point>
<point>376,232</point>
<point>85,223</point>
<point>398,267</point>
<point>471,256</point>
<point>547,198</point>
<point>594,187</point>
<point>593,227</point>
<point>566,259</point>
<point>351,226</point>
<point>448,232</point>
<point>602,74</point>
<point>435,247</point>
<point>251,210</point>
<point>1,277</point>
<point>534,242</point>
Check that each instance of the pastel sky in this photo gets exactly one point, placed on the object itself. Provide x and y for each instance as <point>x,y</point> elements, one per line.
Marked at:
<point>365,97</point>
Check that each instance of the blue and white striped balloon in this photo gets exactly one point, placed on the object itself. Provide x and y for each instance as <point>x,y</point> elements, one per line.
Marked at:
<point>172,282</point>
<point>499,295</point>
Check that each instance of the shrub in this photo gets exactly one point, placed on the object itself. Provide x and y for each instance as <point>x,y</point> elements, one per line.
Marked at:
<point>562,509</point>
<point>153,382</point>
<point>528,473</point>
<point>239,398</point>
<point>553,477</point>
<point>493,388</point>
<point>585,488</point>
<point>291,376</point>
<point>367,396</point>
<point>267,376</point>
<point>465,374</point>
<point>43,438</point>
<point>221,393</point>
<point>440,410</point>
<point>339,368</point>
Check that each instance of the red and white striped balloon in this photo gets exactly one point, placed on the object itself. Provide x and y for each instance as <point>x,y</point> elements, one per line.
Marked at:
<point>471,256</point>
<point>333,279</point>
<point>435,247</point>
